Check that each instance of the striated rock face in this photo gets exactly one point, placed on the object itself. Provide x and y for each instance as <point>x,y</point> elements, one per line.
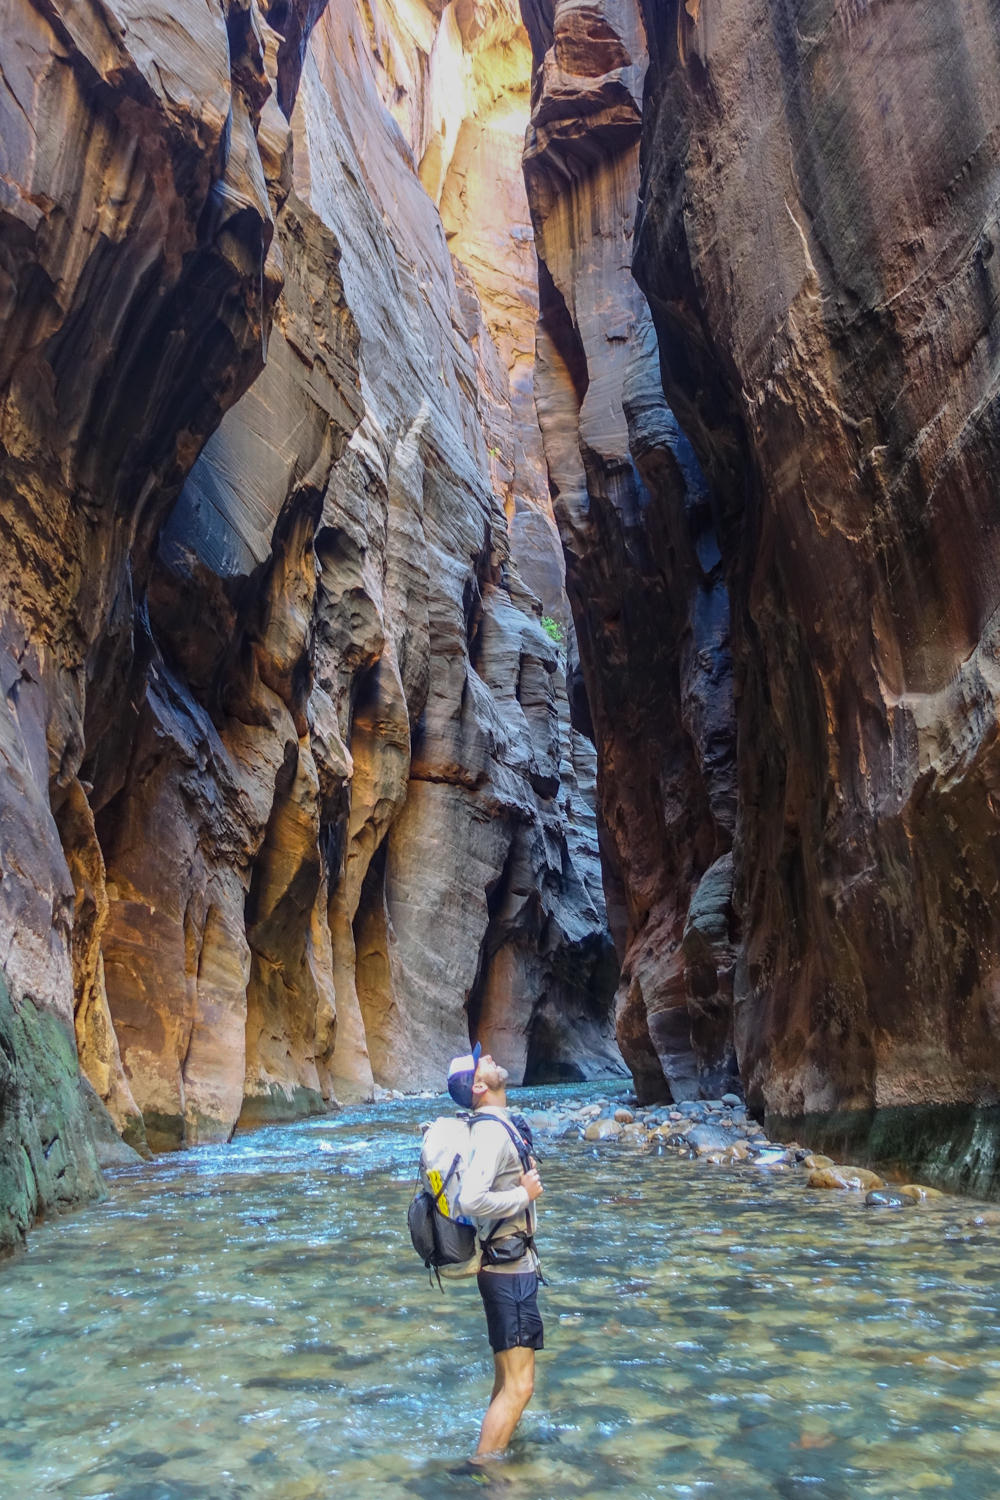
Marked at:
<point>291,798</point>
<point>644,570</point>
<point>467,902</point>
<point>141,169</point>
<point>817,211</point>
<point>819,217</point>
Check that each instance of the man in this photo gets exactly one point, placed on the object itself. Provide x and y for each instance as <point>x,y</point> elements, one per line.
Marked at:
<point>498,1193</point>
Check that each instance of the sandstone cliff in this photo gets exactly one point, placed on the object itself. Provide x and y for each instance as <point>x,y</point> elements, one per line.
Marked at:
<point>292,798</point>
<point>817,217</point>
<point>819,211</point>
<point>644,571</point>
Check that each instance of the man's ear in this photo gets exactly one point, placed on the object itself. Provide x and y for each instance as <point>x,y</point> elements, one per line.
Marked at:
<point>479,1088</point>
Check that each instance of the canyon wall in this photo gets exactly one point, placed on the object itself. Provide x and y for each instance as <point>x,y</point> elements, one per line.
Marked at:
<point>292,798</point>
<point>820,202</point>
<point>817,215</point>
<point>644,570</point>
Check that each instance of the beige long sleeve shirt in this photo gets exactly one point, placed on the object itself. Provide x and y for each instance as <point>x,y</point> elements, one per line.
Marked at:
<point>491,1188</point>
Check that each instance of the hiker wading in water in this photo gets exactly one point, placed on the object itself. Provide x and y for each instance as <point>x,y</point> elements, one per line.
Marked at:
<point>499,1187</point>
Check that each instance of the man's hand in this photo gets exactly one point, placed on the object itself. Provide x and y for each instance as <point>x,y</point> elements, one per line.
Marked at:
<point>532,1184</point>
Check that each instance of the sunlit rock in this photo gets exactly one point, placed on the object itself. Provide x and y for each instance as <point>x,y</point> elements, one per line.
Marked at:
<point>856,1179</point>
<point>292,800</point>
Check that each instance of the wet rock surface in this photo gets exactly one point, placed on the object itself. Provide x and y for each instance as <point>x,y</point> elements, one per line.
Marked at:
<point>718,1133</point>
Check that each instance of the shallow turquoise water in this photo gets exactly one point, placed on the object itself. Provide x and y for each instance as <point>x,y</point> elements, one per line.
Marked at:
<point>250,1321</point>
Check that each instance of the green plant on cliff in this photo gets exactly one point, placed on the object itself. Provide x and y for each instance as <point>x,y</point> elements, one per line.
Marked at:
<point>554,630</point>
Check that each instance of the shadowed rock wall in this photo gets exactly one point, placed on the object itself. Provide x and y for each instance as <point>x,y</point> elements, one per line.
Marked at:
<point>817,217</point>
<point>820,201</point>
<point>643,565</point>
<point>291,793</point>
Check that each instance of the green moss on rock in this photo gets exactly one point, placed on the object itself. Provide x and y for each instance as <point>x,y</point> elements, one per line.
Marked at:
<point>47,1156</point>
<point>955,1147</point>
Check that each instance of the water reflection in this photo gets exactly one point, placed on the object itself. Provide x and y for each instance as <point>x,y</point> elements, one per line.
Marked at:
<point>251,1322</point>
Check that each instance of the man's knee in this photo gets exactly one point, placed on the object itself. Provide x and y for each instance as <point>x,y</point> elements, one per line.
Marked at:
<point>519,1375</point>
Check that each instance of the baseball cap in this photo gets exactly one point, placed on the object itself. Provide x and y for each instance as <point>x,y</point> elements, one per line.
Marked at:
<point>461,1072</point>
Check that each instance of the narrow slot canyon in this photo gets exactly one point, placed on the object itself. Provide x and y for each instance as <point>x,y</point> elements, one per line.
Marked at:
<point>499,545</point>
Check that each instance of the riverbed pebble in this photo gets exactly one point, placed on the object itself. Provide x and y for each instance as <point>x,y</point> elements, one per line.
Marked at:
<point>853,1179</point>
<point>920,1194</point>
<point>769,1155</point>
<point>887,1198</point>
<point>706,1138</point>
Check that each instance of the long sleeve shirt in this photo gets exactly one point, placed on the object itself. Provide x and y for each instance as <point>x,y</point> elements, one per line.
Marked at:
<point>491,1188</point>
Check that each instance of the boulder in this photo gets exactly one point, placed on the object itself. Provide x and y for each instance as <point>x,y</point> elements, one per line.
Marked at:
<point>854,1179</point>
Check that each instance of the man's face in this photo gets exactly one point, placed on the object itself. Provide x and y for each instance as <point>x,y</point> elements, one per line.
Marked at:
<point>489,1075</point>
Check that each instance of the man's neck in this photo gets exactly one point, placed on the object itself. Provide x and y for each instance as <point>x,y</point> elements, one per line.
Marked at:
<point>493,1098</point>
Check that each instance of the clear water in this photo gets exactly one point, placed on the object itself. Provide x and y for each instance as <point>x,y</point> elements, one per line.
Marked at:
<point>250,1321</point>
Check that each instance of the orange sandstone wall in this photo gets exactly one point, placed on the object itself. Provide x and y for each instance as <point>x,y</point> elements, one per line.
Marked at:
<point>292,799</point>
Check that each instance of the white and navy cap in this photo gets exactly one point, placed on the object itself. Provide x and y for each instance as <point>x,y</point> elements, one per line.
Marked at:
<point>461,1072</point>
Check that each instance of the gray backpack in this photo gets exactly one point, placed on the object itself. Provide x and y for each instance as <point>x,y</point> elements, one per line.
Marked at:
<point>442,1237</point>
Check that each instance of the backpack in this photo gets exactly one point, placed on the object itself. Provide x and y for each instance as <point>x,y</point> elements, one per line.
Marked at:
<point>441,1236</point>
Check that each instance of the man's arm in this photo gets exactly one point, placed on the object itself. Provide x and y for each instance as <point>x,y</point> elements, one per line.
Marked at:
<point>477,1199</point>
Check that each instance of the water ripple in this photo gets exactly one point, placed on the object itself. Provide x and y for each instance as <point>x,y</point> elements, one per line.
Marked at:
<point>249,1323</point>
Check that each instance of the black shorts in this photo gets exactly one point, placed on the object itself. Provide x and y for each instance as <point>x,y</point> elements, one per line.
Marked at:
<point>512,1315</point>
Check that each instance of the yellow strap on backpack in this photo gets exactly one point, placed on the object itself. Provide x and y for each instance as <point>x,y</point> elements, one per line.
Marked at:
<point>436,1184</point>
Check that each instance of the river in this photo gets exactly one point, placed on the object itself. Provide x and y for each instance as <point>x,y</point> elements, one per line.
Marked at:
<point>249,1322</point>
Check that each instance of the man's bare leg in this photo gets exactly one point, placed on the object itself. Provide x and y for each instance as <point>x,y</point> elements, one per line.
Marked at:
<point>513,1386</point>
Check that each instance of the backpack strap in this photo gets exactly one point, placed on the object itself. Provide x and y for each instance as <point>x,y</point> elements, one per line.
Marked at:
<point>448,1176</point>
<point>523,1154</point>
<point>524,1157</point>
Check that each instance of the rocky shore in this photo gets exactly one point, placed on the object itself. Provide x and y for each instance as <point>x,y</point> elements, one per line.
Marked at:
<point>721,1133</point>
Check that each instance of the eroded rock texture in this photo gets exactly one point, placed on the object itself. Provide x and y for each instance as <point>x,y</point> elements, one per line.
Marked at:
<point>819,217</point>
<point>141,171</point>
<point>472,893</point>
<point>291,796</point>
<point>643,565</point>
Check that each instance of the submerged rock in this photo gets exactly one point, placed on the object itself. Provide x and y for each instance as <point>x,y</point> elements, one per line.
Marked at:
<point>767,1155</point>
<point>919,1194</point>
